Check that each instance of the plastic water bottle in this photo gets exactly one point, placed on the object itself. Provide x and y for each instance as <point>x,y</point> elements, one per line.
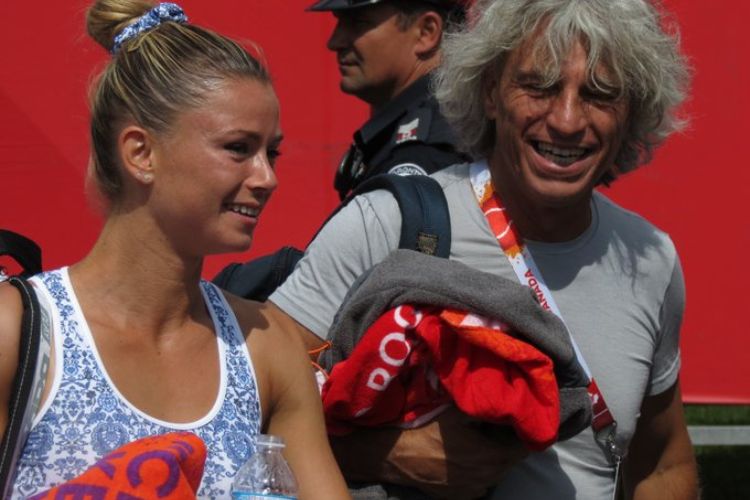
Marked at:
<point>266,475</point>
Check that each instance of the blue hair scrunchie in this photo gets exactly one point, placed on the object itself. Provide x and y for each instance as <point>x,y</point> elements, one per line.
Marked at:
<point>163,12</point>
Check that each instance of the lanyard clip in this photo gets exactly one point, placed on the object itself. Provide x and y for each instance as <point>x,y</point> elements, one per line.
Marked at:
<point>607,439</point>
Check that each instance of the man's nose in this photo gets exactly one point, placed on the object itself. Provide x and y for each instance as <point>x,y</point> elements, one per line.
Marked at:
<point>338,38</point>
<point>566,115</point>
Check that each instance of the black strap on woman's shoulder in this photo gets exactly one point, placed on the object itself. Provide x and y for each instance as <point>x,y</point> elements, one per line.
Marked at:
<point>23,250</point>
<point>20,412</point>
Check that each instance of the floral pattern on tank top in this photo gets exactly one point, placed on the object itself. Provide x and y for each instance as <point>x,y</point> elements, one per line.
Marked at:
<point>88,418</point>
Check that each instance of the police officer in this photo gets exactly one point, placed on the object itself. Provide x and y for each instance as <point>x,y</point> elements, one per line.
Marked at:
<point>386,50</point>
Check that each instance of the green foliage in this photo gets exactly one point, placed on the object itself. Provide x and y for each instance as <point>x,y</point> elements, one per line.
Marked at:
<point>717,415</point>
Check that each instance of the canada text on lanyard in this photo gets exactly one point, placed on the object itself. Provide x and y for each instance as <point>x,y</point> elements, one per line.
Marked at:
<point>520,258</point>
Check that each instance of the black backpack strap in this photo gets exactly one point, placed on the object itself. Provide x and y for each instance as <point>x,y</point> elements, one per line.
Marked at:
<point>430,231</point>
<point>23,250</point>
<point>23,402</point>
<point>425,218</point>
<point>258,278</point>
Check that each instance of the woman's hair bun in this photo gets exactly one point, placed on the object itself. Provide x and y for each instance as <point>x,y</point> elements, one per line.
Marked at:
<point>106,18</point>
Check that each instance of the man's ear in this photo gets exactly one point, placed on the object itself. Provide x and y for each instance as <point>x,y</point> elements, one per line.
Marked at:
<point>429,27</point>
<point>136,150</point>
<point>490,95</point>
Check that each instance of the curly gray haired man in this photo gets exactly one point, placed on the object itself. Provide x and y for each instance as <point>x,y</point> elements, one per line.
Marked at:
<point>642,60</point>
<point>554,97</point>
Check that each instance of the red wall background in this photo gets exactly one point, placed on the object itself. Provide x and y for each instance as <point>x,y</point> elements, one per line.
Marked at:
<point>695,188</point>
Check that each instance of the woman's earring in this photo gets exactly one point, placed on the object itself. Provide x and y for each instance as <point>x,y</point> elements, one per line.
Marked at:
<point>146,177</point>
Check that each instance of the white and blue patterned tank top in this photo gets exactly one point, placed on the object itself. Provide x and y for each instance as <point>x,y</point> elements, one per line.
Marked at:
<point>85,417</point>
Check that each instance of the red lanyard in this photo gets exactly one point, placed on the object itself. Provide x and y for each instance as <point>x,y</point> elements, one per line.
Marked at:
<point>520,258</point>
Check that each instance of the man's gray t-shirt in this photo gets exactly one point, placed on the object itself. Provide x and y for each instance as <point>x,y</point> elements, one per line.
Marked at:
<point>619,288</point>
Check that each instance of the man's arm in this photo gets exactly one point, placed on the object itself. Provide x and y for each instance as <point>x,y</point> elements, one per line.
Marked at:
<point>447,453</point>
<point>451,457</point>
<point>661,464</point>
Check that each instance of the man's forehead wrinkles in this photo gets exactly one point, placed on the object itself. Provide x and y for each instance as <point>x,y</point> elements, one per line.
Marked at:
<point>543,65</point>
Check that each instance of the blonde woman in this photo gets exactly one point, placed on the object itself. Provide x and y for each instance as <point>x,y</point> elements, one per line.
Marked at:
<point>184,131</point>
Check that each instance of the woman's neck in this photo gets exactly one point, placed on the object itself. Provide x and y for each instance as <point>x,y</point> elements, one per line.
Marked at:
<point>133,275</point>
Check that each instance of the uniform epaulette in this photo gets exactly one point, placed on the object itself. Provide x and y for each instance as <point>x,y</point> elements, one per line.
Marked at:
<point>414,126</point>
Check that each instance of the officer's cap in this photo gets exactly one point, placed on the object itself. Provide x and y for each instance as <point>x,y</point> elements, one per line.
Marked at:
<point>323,5</point>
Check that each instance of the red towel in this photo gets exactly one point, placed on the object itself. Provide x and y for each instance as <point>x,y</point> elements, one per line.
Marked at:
<point>411,363</point>
<point>169,466</point>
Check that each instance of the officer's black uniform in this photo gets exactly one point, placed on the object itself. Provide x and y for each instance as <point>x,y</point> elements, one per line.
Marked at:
<point>407,136</point>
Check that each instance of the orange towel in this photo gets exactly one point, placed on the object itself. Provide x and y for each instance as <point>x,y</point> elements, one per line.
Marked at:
<point>169,466</point>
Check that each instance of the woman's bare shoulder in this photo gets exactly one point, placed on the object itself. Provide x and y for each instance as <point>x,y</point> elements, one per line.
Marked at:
<point>11,313</point>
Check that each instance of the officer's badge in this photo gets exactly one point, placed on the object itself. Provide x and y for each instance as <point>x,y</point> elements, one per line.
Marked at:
<point>407,132</point>
<point>407,169</point>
